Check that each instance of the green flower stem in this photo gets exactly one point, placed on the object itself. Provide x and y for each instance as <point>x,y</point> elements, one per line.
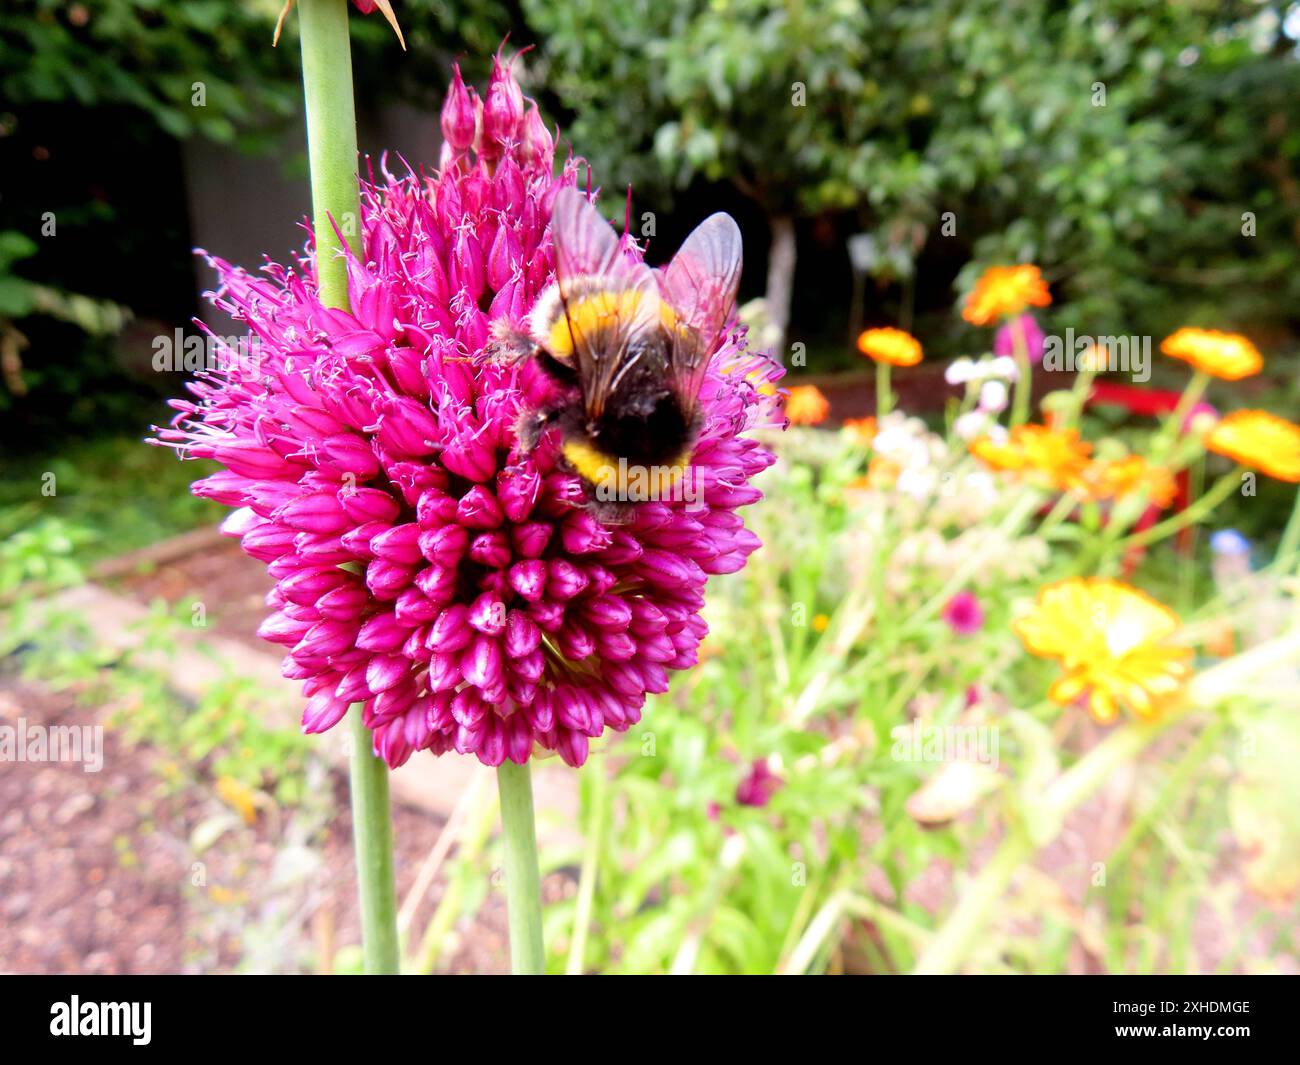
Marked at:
<point>1072,410</point>
<point>724,876</point>
<point>1223,488</point>
<point>471,842</point>
<point>948,949</point>
<point>1061,509</point>
<point>332,154</point>
<point>860,609</point>
<point>950,946</point>
<point>840,905</point>
<point>1008,529</point>
<point>1290,541</point>
<point>1187,574</point>
<point>372,834</point>
<point>1166,440</point>
<point>331,140</point>
<point>594,783</point>
<point>523,881</point>
<point>1024,376</point>
<point>884,396</point>
<point>1191,396</point>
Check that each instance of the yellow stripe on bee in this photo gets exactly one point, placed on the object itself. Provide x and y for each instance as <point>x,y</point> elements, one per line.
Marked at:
<point>615,479</point>
<point>587,315</point>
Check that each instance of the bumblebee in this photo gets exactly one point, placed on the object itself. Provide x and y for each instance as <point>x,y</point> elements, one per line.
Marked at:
<point>628,347</point>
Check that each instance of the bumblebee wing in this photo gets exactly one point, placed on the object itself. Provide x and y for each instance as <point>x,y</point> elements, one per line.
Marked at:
<point>610,304</point>
<point>585,244</point>
<point>700,285</point>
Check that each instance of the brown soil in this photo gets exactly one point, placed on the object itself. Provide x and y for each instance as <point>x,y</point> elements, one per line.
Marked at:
<point>104,873</point>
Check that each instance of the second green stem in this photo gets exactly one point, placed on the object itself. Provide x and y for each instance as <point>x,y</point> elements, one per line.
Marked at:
<point>523,880</point>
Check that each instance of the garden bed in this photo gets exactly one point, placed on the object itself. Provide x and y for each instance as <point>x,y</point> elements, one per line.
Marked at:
<point>125,833</point>
<point>108,872</point>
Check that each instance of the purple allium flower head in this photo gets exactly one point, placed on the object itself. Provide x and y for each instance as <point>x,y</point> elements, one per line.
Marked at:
<point>426,565</point>
<point>964,614</point>
<point>759,785</point>
<point>1004,340</point>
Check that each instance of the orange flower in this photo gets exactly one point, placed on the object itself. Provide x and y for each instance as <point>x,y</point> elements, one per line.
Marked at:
<point>863,430</point>
<point>890,345</point>
<point>1227,355</point>
<point>1112,642</point>
<point>1003,291</point>
<point>1116,478</point>
<point>1220,641</point>
<point>1260,440</point>
<point>805,405</point>
<point>1055,457</point>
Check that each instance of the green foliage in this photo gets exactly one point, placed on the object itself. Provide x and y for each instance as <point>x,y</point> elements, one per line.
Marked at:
<point>822,655</point>
<point>153,73</point>
<point>118,494</point>
<point>37,549</point>
<point>1115,143</point>
<point>150,55</point>
<point>15,294</point>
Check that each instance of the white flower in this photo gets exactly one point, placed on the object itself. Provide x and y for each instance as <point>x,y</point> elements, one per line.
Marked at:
<point>919,484</point>
<point>960,371</point>
<point>993,396</point>
<point>972,424</point>
<point>1004,366</point>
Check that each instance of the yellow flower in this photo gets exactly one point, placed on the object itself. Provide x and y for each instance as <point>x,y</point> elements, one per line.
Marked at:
<point>1111,641</point>
<point>863,430</point>
<point>1056,458</point>
<point>1260,440</point>
<point>890,345</point>
<point>1227,355</point>
<point>1003,291</point>
<point>1095,359</point>
<point>805,405</point>
<point>239,797</point>
<point>821,623</point>
<point>1116,478</point>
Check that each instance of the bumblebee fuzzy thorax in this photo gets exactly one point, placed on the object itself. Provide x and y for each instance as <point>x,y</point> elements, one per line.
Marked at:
<point>628,348</point>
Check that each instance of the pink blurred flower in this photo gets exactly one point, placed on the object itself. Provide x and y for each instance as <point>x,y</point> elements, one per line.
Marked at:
<point>425,565</point>
<point>1004,340</point>
<point>1201,412</point>
<point>759,785</point>
<point>964,614</point>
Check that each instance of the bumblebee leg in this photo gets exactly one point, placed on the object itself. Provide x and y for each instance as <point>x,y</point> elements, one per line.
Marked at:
<point>532,423</point>
<point>609,512</point>
<point>507,344</point>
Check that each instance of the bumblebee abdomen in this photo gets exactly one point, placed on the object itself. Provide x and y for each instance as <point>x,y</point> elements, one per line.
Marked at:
<point>616,478</point>
<point>643,423</point>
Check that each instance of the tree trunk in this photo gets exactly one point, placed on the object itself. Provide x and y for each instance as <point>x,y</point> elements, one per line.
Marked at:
<point>780,280</point>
